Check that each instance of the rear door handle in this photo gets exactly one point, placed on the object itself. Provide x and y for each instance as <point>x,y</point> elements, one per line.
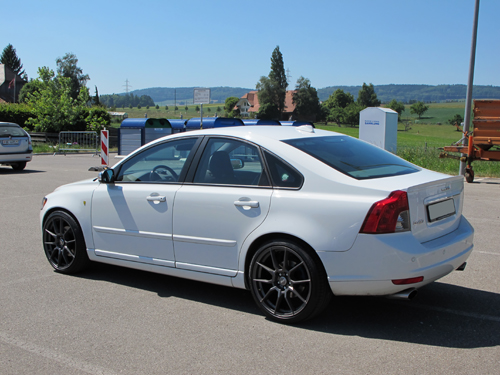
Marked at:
<point>247,204</point>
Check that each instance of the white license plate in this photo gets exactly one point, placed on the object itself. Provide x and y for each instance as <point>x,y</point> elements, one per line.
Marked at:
<point>440,210</point>
<point>11,142</point>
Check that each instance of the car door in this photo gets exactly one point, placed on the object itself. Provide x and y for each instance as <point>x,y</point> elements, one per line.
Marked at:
<point>132,217</point>
<point>227,198</point>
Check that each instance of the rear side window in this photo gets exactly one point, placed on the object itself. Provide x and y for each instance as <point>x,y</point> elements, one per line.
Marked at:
<point>282,174</point>
<point>353,157</point>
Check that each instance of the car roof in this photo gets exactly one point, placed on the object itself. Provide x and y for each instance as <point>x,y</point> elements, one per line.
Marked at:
<point>9,124</point>
<point>259,133</point>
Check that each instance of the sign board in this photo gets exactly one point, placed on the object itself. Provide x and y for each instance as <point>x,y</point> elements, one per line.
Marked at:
<point>201,96</point>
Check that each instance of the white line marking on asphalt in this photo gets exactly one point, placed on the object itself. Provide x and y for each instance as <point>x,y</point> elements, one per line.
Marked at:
<point>55,355</point>
<point>486,252</point>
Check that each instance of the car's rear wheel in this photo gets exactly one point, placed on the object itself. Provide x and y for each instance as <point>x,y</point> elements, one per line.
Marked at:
<point>64,244</point>
<point>19,166</point>
<point>287,283</point>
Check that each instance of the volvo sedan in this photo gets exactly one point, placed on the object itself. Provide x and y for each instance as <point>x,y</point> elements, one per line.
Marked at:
<point>294,214</point>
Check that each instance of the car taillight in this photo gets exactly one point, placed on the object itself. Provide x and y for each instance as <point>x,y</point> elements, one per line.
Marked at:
<point>388,215</point>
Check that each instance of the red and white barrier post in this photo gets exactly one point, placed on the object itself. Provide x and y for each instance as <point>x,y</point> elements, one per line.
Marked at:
<point>105,147</point>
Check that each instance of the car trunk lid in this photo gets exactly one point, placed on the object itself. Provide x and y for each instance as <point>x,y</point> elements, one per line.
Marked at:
<point>435,207</point>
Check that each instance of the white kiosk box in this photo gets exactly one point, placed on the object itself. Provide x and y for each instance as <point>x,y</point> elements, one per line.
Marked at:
<point>379,126</point>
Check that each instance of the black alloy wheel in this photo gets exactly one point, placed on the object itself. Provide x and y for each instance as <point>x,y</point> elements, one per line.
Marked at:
<point>287,283</point>
<point>64,244</point>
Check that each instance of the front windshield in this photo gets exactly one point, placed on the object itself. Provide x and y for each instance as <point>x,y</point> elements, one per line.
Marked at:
<point>353,157</point>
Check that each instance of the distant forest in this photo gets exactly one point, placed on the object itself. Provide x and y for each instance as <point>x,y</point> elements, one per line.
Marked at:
<point>385,93</point>
<point>424,93</point>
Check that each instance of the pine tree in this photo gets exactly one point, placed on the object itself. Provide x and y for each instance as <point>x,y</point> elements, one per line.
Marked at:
<point>9,58</point>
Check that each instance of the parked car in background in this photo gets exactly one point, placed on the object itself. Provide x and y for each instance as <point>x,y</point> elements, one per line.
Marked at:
<point>15,146</point>
<point>310,214</point>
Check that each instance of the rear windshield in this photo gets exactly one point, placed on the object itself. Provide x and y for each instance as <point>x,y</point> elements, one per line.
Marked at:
<point>7,130</point>
<point>353,157</point>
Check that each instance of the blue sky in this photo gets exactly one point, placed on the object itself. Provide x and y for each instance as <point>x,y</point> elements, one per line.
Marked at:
<point>207,43</point>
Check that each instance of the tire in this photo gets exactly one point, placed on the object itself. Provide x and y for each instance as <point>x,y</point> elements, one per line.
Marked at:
<point>287,283</point>
<point>469,175</point>
<point>64,244</point>
<point>19,166</point>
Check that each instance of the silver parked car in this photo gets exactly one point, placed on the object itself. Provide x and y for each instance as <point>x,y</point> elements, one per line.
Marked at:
<point>15,146</point>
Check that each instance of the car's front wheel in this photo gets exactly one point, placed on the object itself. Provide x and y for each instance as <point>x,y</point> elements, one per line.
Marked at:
<point>287,283</point>
<point>64,244</point>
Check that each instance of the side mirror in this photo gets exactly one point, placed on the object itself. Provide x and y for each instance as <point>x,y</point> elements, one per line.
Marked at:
<point>107,176</point>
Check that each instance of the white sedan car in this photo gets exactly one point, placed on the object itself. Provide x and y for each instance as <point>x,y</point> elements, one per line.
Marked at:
<point>294,214</point>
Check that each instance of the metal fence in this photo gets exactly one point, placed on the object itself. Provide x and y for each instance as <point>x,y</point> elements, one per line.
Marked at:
<point>78,141</point>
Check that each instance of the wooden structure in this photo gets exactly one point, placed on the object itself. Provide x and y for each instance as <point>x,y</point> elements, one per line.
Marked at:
<point>484,140</point>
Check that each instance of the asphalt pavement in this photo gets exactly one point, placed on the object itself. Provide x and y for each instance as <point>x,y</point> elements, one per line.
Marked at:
<point>112,320</point>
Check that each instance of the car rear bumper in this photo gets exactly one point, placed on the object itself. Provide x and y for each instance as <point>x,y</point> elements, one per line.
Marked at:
<point>369,267</point>
<point>15,157</point>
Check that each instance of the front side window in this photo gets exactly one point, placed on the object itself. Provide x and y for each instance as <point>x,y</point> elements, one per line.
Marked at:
<point>353,157</point>
<point>230,162</point>
<point>161,163</point>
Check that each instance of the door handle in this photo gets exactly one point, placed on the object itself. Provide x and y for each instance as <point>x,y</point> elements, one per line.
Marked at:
<point>247,204</point>
<point>157,198</point>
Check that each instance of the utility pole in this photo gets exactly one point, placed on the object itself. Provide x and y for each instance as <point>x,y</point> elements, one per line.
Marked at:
<point>468,100</point>
<point>127,85</point>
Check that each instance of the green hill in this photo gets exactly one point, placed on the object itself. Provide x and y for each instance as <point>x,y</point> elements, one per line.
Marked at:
<point>425,93</point>
<point>404,93</point>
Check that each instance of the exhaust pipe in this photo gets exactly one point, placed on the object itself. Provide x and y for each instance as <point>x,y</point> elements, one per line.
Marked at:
<point>462,266</point>
<point>404,294</point>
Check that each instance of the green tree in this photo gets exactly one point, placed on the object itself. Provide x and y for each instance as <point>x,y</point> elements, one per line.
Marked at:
<point>219,109</point>
<point>367,96</point>
<point>186,108</point>
<point>28,89</point>
<point>66,67</point>
<point>339,99</point>
<point>306,100</point>
<point>278,76</point>
<point>97,119</point>
<point>272,89</point>
<point>95,99</point>
<point>53,107</point>
<point>457,119</point>
<point>399,107</point>
<point>229,106</point>
<point>175,109</point>
<point>9,58</point>
<point>197,109</point>
<point>335,107</point>
<point>166,108</point>
<point>157,106</point>
<point>351,114</point>
<point>418,108</point>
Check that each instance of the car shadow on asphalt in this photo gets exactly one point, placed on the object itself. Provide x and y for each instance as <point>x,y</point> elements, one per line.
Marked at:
<point>9,170</point>
<point>441,314</point>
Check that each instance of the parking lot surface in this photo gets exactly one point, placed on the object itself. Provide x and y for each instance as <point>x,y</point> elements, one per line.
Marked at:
<point>112,320</point>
